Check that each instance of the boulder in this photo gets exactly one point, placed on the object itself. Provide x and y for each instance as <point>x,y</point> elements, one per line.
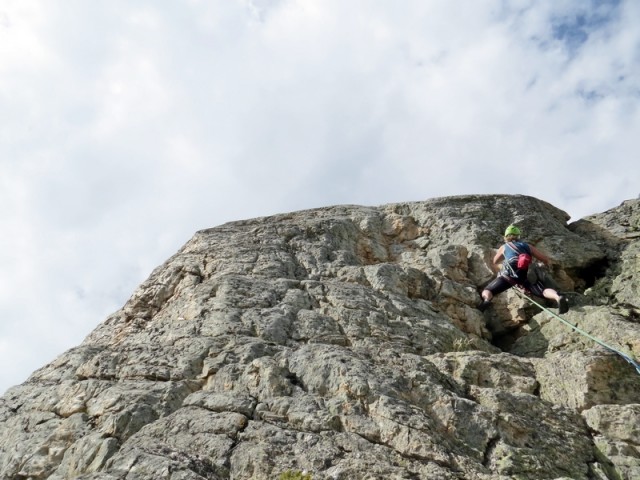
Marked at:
<point>344,342</point>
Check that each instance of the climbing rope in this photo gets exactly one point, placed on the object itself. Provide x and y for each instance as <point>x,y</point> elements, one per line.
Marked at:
<point>627,357</point>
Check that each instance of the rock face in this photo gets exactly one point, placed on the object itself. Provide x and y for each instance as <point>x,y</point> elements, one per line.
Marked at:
<point>344,343</point>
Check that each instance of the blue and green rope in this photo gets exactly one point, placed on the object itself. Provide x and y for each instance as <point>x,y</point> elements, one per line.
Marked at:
<point>629,358</point>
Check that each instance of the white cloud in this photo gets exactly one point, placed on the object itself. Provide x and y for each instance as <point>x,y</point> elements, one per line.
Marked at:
<point>126,127</point>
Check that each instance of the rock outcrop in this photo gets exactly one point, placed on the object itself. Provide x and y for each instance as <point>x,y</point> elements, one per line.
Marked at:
<point>344,343</point>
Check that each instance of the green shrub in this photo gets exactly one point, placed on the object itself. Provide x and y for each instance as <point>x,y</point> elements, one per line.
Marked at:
<point>297,475</point>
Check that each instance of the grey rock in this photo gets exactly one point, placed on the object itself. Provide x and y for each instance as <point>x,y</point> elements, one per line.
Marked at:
<point>617,438</point>
<point>344,342</point>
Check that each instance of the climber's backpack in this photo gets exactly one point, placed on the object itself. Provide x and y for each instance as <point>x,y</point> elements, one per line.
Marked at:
<point>523,259</point>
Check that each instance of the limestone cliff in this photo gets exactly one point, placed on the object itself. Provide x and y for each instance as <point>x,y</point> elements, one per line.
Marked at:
<point>344,343</point>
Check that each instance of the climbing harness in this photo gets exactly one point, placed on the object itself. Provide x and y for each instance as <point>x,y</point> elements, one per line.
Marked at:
<point>627,357</point>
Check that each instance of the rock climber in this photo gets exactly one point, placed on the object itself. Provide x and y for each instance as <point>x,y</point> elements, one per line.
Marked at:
<point>516,256</point>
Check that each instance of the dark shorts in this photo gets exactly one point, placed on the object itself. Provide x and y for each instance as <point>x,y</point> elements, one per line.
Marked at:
<point>502,283</point>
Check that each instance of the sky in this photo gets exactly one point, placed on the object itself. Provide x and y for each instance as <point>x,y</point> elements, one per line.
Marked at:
<point>126,126</point>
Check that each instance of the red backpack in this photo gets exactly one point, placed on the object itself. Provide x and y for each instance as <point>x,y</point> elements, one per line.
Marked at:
<point>524,259</point>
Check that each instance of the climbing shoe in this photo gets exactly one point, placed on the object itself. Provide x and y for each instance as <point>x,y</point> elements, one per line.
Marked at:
<point>484,305</point>
<point>563,305</point>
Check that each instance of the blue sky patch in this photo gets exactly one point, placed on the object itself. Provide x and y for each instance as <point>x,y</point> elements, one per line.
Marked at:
<point>574,29</point>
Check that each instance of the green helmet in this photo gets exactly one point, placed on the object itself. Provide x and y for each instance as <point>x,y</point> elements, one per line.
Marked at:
<point>512,230</point>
